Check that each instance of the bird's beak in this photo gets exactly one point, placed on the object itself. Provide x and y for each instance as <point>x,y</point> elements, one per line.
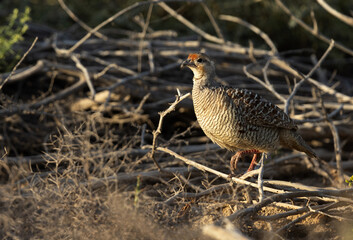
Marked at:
<point>187,63</point>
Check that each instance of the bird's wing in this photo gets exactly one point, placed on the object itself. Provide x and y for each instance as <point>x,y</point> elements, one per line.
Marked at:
<point>257,111</point>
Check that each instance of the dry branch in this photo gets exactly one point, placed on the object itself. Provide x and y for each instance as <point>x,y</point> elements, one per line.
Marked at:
<point>253,28</point>
<point>217,173</point>
<point>76,19</point>
<point>307,76</point>
<point>190,25</point>
<point>312,30</point>
<point>85,75</point>
<point>344,18</point>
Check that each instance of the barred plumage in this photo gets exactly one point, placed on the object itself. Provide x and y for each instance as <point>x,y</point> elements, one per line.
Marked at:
<point>237,119</point>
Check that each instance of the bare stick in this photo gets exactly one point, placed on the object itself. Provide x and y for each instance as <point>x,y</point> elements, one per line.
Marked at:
<point>109,20</point>
<point>260,181</point>
<point>344,18</point>
<point>190,24</point>
<point>336,142</point>
<point>143,35</point>
<point>293,185</point>
<point>312,30</point>
<point>267,86</point>
<point>285,66</point>
<point>253,28</point>
<point>22,73</point>
<point>76,19</point>
<point>19,62</point>
<point>85,75</point>
<point>306,77</point>
<point>158,131</point>
<point>213,21</point>
<point>217,173</point>
<point>319,210</point>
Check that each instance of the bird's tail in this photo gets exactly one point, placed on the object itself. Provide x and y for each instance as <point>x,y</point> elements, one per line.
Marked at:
<point>291,139</point>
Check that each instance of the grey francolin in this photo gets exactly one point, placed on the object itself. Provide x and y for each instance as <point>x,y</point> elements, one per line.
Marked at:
<point>237,119</point>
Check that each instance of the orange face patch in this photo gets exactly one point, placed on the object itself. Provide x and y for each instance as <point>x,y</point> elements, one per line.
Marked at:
<point>193,56</point>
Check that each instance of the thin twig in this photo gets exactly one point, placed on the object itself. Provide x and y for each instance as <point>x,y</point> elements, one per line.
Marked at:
<point>189,24</point>
<point>336,142</point>
<point>99,26</point>
<point>158,131</point>
<point>260,180</point>
<point>143,35</point>
<point>213,21</point>
<point>253,28</point>
<point>338,194</point>
<point>344,18</point>
<point>285,66</point>
<point>76,19</point>
<point>217,173</point>
<point>307,76</point>
<point>23,73</point>
<point>267,86</point>
<point>312,30</point>
<point>18,63</point>
<point>85,75</point>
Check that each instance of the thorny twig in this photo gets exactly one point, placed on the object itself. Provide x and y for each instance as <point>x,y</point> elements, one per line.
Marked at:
<point>158,131</point>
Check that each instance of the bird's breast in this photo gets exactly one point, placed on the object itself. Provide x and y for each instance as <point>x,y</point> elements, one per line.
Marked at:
<point>217,116</point>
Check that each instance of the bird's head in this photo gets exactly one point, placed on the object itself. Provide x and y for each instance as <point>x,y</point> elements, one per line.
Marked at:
<point>201,65</point>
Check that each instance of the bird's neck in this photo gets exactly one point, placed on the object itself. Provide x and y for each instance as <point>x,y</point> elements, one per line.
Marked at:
<point>204,81</point>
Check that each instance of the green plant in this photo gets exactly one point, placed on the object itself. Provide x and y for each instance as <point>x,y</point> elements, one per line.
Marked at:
<point>12,33</point>
<point>137,191</point>
<point>350,181</point>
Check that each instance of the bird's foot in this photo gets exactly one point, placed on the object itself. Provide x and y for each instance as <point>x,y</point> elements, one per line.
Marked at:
<point>235,158</point>
<point>233,162</point>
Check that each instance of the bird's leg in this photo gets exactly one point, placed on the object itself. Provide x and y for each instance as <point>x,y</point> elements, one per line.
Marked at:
<point>253,163</point>
<point>234,160</point>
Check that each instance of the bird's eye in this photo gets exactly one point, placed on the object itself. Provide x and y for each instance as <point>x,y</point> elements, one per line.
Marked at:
<point>200,60</point>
